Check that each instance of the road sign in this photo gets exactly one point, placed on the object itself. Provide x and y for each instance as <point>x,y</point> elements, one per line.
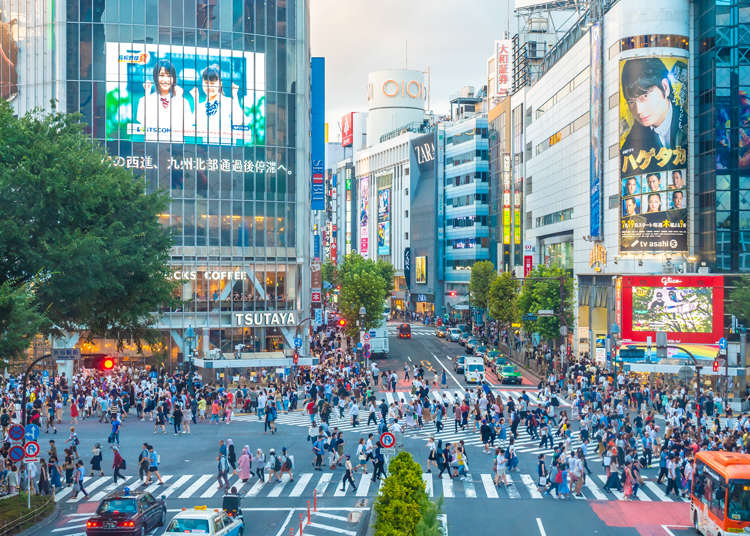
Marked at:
<point>529,317</point>
<point>545,312</point>
<point>359,346</point>
<point>366,337</point>
<point>387,439</point>
<point>368,354</point>
<point>16,432</point>
<point>316,296</point>
<point>298,342</point>
<point>373,333</point>
<point>632,353</point>
<point>32,432</point>
<point>31,449</point>
<point>62,354</point>
<point>31,460</point>
<point>723,343</point>
<point>16,453</point>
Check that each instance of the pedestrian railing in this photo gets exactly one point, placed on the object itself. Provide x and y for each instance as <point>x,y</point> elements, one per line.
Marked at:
<point>28,518</point>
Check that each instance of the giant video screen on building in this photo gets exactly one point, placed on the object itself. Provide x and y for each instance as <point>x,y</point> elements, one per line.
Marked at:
<point>688,308</point>
<point>173,93</point>
<point>653,154</point>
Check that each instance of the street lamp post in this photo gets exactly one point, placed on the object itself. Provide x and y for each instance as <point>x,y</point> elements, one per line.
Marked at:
<point>189,338</point>
<point>362,315</point>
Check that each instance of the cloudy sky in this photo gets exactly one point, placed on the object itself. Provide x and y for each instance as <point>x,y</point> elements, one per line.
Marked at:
<point>453,37</point>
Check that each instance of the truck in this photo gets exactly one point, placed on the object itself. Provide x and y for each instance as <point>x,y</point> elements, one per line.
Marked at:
<point>474,369</point>
<point>378,342</point>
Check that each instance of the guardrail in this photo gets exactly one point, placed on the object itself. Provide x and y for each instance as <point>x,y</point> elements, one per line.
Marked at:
<point>33,515</point>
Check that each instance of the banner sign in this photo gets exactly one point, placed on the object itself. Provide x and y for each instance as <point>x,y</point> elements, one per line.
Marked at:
<point>596,163</point>
<point>407,267</point>
<point>364,205</point>
<point>317,133</point>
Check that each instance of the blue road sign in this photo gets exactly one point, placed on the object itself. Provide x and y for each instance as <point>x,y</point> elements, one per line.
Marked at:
<point>32,432</point>
<point>359,346</point>
<point>373,333</point>
<point>723,343</point>
<point>16,453</point>
<point>16,432</point>
<point>298,342</point>
<point>367,354</point>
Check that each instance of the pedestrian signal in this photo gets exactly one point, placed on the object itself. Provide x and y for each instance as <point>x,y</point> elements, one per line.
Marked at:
<point>716,365</point>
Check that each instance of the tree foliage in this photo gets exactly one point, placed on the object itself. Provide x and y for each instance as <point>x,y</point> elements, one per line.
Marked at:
<point>402,499</point>
<point>82,229</point>
<point>483,273</point>
<point>387,272</point>
<point>545,294</point>
<point>738,303</point>
<point>429,525</point>
<point>363,284</point>
<point>503,298</point>
<point>19,319</point>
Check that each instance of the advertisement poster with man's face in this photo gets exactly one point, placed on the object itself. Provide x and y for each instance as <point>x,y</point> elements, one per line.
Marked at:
<point>172,93</point>
<point>653,155</point>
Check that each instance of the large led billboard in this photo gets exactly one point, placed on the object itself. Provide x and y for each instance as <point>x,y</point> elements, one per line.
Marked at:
<point>174,93</point>
<point>689,309</point>
<point>653,154</point>
<point>384,221</point>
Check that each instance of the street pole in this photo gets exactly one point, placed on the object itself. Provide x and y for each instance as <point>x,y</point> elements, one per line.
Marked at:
<point>23,387</point>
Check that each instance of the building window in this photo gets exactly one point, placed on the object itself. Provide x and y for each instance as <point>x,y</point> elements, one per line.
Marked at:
<point>406,213</point>
<point>613,50</point>
<point>554,217</point>
<point>406,236</point>
<point>528,186</point>
<point>614,99</point>
<point>614,150</point>
<point>529,220</point>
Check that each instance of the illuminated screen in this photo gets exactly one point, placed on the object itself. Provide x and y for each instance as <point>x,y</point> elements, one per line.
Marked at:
<point>673,309</point>
<point>173,93</point>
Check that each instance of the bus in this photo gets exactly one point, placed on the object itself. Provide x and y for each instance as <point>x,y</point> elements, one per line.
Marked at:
<point>720,495</point>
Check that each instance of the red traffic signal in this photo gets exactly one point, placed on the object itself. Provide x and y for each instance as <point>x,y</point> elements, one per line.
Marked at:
<point>295,357</point>
<point>342,322</point>
<point>100,362</point>
<point>452,293</point>
<point>716,365</point>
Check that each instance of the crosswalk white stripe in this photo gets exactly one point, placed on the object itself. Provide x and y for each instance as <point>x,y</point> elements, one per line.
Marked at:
<point>469,488</point>
<point>389,397</point>
<point>255,489</point>
<point>153,487</point>
<point>620,495</point>
<point>323,482</point>
<point>447,487</point>
<point>89,487</point>
<point>175,485</point>
<point>656,490</point>
<point>331,528</point>
<point>299,487</point>
<point>364,485</point>
<point>277,489</point>
<point>531,486</point>
<point>190,491</point>
<point>341,492</point>
<point>103,493</point>
<point>427,479</point>
<point>64,492</point>
<point>598,494</point>
<point>489,486</point>
<point>512,489</point>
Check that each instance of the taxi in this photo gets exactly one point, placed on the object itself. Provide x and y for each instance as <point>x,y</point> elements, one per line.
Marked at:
<point>510,374</point>
<point>127,513</point>
<point>204,521</point>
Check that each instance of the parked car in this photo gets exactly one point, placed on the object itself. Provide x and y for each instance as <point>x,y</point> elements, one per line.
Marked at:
<point>127,513</point>
<point>454,334</point>
<point>201,520</point>
<point>499,363</point>
<point>404,331</point>
<point>471,344</point>
<point>480,351</point>
<point>440,332</point>
<point>474,370</point>
<point>458,363</point>
<point>509,374</point>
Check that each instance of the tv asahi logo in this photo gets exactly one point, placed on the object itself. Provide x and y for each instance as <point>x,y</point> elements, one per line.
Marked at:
<point>666,281</point>
<point>425,152</point>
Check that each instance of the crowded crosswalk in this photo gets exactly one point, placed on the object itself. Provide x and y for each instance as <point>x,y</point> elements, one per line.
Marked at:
<point>329,484</point>
<point>415,330</point>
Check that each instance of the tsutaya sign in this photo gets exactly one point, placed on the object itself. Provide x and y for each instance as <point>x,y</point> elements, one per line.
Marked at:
<point>209,274</point>
<point>275,318</point>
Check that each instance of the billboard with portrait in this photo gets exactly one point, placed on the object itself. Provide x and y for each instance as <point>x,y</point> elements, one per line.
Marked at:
<point>364,205</point>
<point>420,270</point>
<point>689,309</point>
<point>174,93</point>
<point>384,238</point>
<point>8,58</point>
<point>653,155</point>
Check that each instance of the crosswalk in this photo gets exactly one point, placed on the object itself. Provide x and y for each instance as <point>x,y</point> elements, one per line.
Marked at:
<point>329,484</point>
<point>393,331</point>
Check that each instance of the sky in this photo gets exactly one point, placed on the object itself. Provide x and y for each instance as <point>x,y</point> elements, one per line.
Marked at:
<point>453,37</point>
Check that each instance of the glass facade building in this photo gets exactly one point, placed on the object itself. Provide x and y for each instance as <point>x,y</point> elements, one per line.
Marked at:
<point>208,101</point>
<point>722,135</point>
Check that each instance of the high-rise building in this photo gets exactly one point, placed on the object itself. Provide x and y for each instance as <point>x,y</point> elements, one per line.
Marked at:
<point>207,101</point>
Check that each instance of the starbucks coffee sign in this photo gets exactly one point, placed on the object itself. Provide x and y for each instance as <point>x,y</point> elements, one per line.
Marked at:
<point>267,319</point>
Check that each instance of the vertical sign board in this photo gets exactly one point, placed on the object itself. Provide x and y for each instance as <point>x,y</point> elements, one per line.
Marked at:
<point>347,130</point>
<point>407,267</point>
<point>528,258</point>
<point>503,50</point>
<point>317,128</point>
<point>596,163</point>
<point>364,205</point>
<point>654,148</point>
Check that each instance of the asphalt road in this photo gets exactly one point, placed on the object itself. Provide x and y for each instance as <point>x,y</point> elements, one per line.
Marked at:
<point>476,507</point>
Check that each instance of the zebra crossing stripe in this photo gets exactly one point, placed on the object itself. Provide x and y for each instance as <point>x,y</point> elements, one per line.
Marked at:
<point>389,397</point>
<point>175,485</point>
<point>618,494</point>
<point>276,490</point>
<point>598,494</point>
<point>447,487</point>
<point>340,488</point>
<point>325,479</point>
<point>153,487</point>
<point>255,489</point>
<point>489,486</point>
<point>301,484</point>
<point>190,491</point>
<point>92,486</point>
<point>364,485</point>
<point>96,497</point>
<point>656,490</point>
<point>427,479</point>
<point>512,489</point>
<point>332,529</point>
<point>469,488</point>
<point>531,486</point>
<point>66,491</point>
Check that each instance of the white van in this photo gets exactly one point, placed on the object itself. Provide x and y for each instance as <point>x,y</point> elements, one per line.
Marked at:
<point>474,369</point>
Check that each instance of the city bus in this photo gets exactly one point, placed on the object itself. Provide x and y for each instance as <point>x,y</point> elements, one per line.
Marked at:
<point>720,496</point>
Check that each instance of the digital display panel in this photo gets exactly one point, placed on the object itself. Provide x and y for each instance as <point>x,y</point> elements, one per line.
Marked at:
<point>172,93</point>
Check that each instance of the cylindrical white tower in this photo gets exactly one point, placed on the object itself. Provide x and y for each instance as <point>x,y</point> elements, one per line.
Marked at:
<point>395,98</point>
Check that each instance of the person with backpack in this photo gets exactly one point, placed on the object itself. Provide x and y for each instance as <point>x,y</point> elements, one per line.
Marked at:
<point>286,464</point>
<point>78,476</point>
<point>273,464</point>
<point>143,463</point>
<point>378,462</point>
<point>118,464</point>
<point>153,465</point>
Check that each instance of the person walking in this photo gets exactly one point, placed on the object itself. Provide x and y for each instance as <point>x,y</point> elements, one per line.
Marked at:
<point>287,464</point>
<point>143,463</point>
<point>153,465</point>
<point>78,475</point>
<point>55,474</point>
<point>348,475</point>
<point>96,459</point>
<point>244,464</point>
<point>431,454</point>
<point>118,463</point>
<point>260,465</point>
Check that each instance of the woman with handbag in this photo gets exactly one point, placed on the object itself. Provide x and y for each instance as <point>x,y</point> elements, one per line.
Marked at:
<point>541,469</point>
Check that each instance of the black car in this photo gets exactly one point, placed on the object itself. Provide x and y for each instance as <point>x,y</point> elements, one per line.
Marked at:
<point>127,513</point>
<point>459,364</point>
<point>404,331</point>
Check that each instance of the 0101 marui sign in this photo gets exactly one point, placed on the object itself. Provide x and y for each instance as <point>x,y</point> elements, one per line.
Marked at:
<point>690,309</point>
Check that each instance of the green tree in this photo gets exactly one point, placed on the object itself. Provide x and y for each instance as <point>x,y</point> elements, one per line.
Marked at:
<point>81,228</point>
<point>482,275</point>
<point>19,319</point>
<point>503,299</point>
<point>429,524</point>
<point>362,285</point>
<point>402,499</point>
<point>738,303</point>
<point>387,272</point>
<point>545,294</point>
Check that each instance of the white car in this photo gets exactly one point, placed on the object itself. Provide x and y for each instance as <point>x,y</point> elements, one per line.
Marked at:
<point>204,521</point>
<point>474,369</point>
<point>454,334</point>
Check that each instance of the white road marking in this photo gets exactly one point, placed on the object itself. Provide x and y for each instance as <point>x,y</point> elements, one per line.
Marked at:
<point>449,373</point>
<point>175,485</point>
<point>531,486</point>
<point>447,486</point>
<point>189,492</point>
<point>301,484</point>
<point>469,488</point>
<point>656,490</point>
<point>277,489</point>
<point>331,516</point>
<point>489,486</point>
<point>255,489</point>
<point>541,527</point>
<point>598,494</point>
<point>322,484</point>
<point>153,487</point>
<point>364,485</point>
<point>332,529</point>
<point>427,479</point>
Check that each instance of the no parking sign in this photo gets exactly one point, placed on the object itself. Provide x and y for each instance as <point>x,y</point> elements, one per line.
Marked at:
<point>387,439</point>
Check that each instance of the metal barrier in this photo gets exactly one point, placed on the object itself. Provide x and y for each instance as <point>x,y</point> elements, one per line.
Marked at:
<point>33,515</point>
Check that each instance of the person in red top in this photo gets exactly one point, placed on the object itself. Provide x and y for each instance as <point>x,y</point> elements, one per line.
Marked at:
<point>310,408</point>
<point>117,463</point>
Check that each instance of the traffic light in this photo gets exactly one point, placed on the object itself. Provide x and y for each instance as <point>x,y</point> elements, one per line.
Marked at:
<point>100,362</point>
<point>716,365</point>
<point>342,322</point>
<point>452,293</point>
